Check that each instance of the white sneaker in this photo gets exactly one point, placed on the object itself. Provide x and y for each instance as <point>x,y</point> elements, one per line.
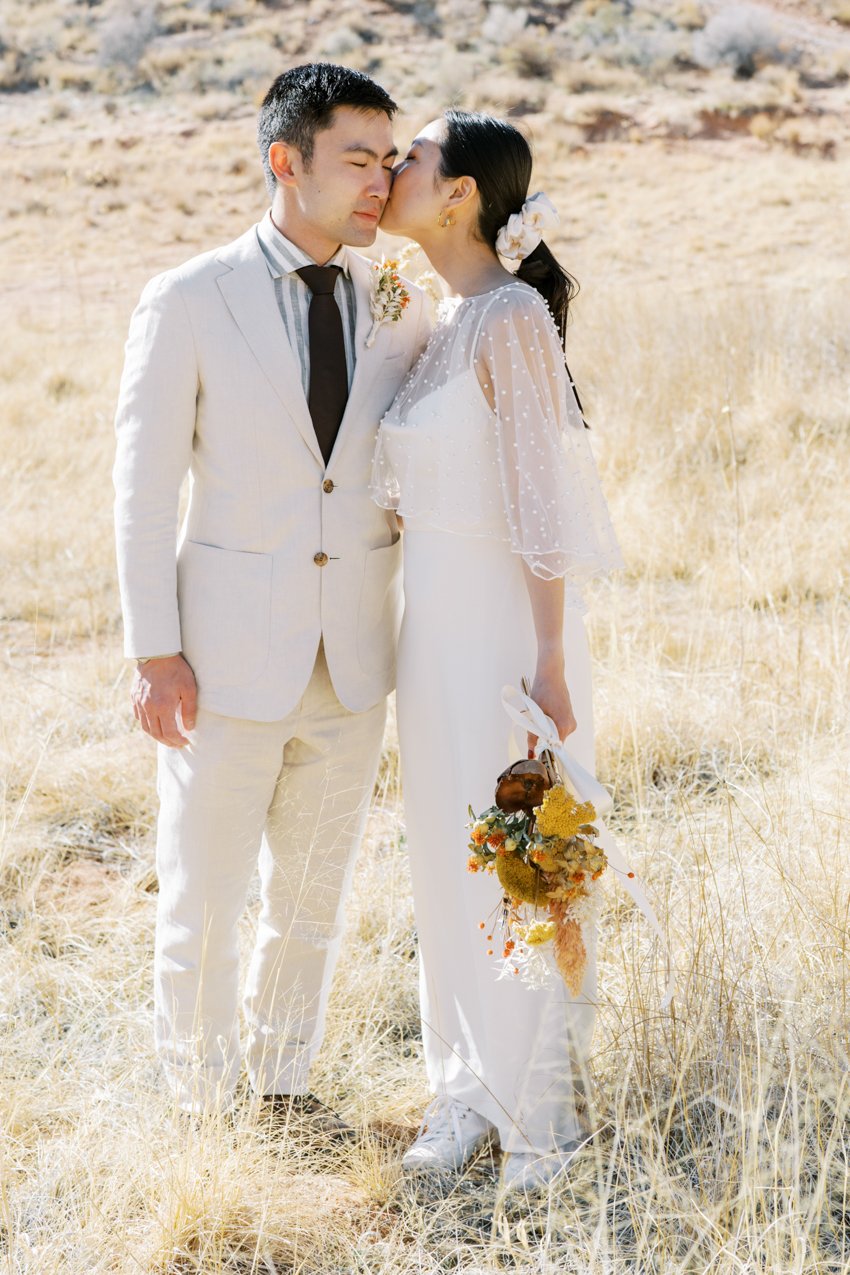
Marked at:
<point>532,1173</point>
<point>448,1138</point>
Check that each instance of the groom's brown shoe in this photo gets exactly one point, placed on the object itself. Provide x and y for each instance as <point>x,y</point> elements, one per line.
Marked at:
<point>299,1113</point>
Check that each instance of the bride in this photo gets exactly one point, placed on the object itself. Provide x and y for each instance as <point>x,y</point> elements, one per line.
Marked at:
<point>485,457</point>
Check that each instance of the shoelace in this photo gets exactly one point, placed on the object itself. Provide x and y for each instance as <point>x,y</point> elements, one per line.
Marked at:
<point>433,1126</point>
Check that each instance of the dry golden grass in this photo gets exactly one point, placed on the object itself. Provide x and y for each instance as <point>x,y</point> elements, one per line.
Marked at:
<point>711,340</point>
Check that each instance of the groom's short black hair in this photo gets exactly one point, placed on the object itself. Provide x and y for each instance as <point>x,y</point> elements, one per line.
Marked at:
<point>302,101</point>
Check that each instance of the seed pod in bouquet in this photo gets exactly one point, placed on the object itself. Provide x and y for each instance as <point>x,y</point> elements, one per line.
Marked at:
<point>521,880</point>
<point>522,785</point>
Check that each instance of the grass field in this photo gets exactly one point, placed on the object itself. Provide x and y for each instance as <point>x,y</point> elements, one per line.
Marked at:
<point>711,344</point>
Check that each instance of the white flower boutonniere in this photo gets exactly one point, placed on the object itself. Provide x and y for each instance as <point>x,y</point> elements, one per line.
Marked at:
<point>388,298</point>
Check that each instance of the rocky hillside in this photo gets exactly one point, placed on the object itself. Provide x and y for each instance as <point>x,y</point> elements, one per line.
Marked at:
<point>686,68</point>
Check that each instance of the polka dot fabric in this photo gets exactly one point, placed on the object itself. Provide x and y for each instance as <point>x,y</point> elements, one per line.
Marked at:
<point>485,438</point>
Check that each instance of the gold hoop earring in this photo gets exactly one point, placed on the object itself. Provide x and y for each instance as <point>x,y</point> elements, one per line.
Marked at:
<point>449,219</point>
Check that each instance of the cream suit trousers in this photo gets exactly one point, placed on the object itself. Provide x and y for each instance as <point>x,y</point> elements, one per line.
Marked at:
<point>291,796</point>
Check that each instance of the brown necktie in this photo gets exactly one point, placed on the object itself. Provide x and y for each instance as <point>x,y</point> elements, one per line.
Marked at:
<point>328,372</point>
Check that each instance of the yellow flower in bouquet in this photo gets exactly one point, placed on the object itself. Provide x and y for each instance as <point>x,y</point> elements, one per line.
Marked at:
<point>561,815</point>
<point>538,933</point>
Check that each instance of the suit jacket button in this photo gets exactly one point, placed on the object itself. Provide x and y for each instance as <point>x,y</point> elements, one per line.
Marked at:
<point>328,485</point>
<point>320,559</point>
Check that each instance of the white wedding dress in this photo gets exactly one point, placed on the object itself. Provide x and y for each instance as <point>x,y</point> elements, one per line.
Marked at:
<point>485,456</point>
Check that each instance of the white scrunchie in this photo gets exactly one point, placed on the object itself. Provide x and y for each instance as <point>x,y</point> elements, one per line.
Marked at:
<point>525,229</point>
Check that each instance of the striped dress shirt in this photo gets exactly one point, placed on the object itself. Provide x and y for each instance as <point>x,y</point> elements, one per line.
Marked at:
<point>293,296</point>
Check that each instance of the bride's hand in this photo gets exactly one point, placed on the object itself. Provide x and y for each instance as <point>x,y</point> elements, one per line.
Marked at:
<point>551,693</point>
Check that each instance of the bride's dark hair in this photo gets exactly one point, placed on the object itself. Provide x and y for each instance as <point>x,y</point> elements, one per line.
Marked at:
<point>497,155</point>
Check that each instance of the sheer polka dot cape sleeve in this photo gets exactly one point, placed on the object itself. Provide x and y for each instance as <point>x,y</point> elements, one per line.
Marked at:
<point>556,513</point>
<point>384,487</point>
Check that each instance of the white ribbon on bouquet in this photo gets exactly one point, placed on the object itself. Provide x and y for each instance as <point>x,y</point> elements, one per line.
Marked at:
<point>527,714</point>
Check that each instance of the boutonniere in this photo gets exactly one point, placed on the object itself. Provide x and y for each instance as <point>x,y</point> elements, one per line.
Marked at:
<point>388,297</point>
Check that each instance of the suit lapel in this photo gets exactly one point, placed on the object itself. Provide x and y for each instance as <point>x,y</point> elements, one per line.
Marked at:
<point>248,293</point>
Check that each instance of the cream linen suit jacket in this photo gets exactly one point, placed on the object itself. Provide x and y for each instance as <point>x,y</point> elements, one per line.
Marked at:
<point>212,388</point>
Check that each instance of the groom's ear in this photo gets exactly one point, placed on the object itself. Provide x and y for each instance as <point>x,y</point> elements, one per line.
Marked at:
<point>281,158</point>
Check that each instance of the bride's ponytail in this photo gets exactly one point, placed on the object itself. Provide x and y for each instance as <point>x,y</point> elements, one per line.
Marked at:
<point>544,272</point>
<point>541,269</point>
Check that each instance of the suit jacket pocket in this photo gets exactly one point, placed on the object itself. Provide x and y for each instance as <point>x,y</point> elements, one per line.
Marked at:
<point>392,363</point>
<point>380,609</point>
<point>386,383</point>
<point>225,612</point>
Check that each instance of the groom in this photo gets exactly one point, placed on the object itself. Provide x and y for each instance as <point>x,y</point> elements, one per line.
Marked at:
<point>265,650</point>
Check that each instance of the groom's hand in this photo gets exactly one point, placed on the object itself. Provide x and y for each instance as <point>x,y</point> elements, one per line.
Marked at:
<point>163,693</point>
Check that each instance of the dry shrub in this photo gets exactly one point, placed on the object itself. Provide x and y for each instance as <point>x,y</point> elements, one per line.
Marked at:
<point>505,24</point>
<point>126,34</point>
<point>242,64</point>
<point>338,44</point>
<point>531,56</point>
<point>744,37</point>
<point>690,15</point>
<point>644,41</point>
<point>16,69</point>
<point>219,1221</point>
